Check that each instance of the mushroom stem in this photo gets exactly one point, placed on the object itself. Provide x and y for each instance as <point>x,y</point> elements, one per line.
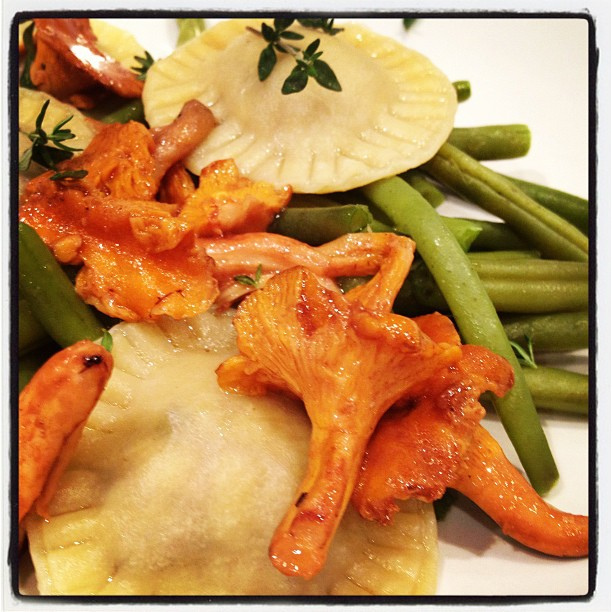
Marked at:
<point>301,541</point>
<point>497,487</point>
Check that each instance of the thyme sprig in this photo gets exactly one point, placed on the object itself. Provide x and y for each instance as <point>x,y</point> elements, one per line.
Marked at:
<point>250,281</point>
<point>308,62</point>
<point>318,23</point>
<point>525,354</point>
<point>42,152</point>
<point>144,63</point>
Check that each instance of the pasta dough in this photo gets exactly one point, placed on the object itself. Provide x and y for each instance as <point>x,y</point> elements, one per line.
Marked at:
<point>176,487</point>
<point>393,113</point>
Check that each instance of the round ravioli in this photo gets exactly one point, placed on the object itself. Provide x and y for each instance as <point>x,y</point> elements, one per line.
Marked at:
<point>394,111</point>
<point>176,487</point>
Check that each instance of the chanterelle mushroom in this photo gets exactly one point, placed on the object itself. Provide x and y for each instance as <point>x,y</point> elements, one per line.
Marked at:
<point>349,359</point>
<point>436,441</point>
<point>68,63</point>
<point>53,409</point>
<point>140,256</point>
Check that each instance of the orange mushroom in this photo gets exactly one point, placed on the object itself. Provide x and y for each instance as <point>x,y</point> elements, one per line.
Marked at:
<point>68,64</point>
<point>227,202</point>
<point>349,359</point>
<point>139,260</point>
<point>497,487</point>
<point>359,254</point>
<point>435,440</point>
<point>140,256</point>
<point>53,409</point>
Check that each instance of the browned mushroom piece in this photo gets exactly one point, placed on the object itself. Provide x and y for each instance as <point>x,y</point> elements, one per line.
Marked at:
<point>53,409</point>
<point>435,440</point>
<point>68,63</point>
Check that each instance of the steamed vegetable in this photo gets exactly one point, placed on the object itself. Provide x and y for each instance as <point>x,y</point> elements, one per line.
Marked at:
<point>552,235</point>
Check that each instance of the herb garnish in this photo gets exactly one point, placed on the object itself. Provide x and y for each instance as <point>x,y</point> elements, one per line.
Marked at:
<point>41,152</point>
<point>524,355</point>
<point>68,174</point>
<point>308,62</point>
<point>145,63</point>
<point>248,280</point>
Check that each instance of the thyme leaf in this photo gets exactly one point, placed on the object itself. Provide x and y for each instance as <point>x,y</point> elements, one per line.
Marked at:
<point>107,340</point>
<point>325,76</point>
<point>250,281</point>
<point>144,64</point>
<point>308,62</point>
<point>267,61</point>
<point>524,355</point>
<point>69,174</point>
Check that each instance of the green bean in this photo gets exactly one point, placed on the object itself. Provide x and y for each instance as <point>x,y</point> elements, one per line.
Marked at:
<point>129,111</point>
<point>485,256</point>
<point>49,293</point>
<point>550,234</point>
<point>464,231</point>
<point>572,208</point>
<point>490,142</point>
<point>553,332</point>
<point>474,314</point>
<point>424,186</point>
<point>321,224</point>
<point>31,333</point>
<point>558,390</point>
<point>530,269</point>
<point>463,89</point>
<point>317,200</point>
<point>537,296</point>
<point>189,28</point>
<point>495,235</point>
<point>506,288</point>
<point>318,220</point>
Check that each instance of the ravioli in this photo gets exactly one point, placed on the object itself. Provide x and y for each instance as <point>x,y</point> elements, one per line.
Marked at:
<point>176,487</point>
<point>394,111</point>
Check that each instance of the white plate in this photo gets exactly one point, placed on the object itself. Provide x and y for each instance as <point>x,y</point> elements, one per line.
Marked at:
<point>532,71</point>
